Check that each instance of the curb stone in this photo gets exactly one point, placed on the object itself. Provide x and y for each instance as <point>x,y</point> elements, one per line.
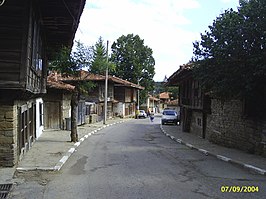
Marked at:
<point>63,160</point>
<point>220,157</point>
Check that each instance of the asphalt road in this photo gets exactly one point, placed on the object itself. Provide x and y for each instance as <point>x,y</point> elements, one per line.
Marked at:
<point>135,160</point>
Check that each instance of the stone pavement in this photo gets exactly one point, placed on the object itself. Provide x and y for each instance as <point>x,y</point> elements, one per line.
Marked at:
<point>52,149</point>
<point>253,163</point>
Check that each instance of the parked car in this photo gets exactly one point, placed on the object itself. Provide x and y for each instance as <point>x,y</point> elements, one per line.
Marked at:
<point>170,116</point>
<point>142,114</point>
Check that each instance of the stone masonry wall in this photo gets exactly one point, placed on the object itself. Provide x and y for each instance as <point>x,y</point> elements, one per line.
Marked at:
<point>227,126</point>
<point>8,136</point>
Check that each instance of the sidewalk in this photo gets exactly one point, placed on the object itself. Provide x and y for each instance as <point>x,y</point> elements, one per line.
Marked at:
<point>52,149</point>
<point>254,163</point>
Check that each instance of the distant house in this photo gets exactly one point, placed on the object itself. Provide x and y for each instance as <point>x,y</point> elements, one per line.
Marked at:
<point>125,96</point>
<point>173,104</point>
<point>151,104</point>
<point>121,97</point>
<point>164,99</point>
<point>30,32</point>
<point>222,122</point>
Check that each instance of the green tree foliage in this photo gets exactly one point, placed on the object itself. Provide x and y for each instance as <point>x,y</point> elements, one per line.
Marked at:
<point>99,57</point>
<point>174,91</point>
<point>134,61</point>
<point>70,64</point>
<point>230,58</point>
<point>99,60</point>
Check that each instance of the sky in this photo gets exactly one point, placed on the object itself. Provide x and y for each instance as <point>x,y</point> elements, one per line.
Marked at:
<point>168,27</point>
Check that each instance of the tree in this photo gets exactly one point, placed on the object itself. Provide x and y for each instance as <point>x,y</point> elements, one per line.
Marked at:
<point>230,59</point>
<point>174,92</point>
<point>99,57</point>
<point>99,60</point>
<point>70,64</point>
<point>134,61</point>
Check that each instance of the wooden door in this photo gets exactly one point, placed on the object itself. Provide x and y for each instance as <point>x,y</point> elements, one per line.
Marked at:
<point>52,115</point>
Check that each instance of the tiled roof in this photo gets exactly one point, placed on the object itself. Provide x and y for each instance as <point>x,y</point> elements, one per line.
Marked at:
<point>184,70</point>
<point>164,95</point>
<point>125,82</point>
<point>85,75</point>
<point>53,82</point>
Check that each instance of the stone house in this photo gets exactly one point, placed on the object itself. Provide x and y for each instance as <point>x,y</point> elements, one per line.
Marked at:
<point>28,30</point>
<point>226,122</point>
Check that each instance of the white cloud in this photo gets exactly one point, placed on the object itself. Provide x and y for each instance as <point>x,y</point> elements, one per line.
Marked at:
<point>159,23</point>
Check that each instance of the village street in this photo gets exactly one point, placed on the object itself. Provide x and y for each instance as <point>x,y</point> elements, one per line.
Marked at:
<point>136,160</point>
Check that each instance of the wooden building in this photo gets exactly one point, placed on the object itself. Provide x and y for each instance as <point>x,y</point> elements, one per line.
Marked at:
<point>57,103</point>
<point>121,97</point>
<point>224,122</point>
<point>125,95</point>
<point>194,104</point>
<point>30,32</point>
<point>151,103</point>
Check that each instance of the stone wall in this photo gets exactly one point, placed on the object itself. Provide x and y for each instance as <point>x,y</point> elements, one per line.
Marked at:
<point>8,135</point>
<point>227,126</point>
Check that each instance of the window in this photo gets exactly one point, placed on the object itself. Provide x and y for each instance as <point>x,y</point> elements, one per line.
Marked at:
<point>199,121</point>
<point>36,62</point>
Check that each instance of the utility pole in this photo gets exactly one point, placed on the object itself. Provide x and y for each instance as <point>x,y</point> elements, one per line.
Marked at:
<point>138,96</point>
<point>106,86</point>
<point>139,79</point>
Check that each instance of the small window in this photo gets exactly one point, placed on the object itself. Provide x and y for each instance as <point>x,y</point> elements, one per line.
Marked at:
<point>36,48</point>
<point>199,121</point>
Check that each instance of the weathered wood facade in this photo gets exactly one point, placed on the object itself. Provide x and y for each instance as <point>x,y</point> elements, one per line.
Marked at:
<point>194,105</point>
<point>22,59</point>
<point>30,32</point>
<point>222,122</point>
<point>122,94</point>
<point>126,98</point>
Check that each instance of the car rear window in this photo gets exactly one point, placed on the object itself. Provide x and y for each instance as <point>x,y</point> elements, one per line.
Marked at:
<point>169,113</point>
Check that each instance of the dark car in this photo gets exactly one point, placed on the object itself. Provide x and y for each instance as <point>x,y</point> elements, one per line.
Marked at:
<point>170,116</point>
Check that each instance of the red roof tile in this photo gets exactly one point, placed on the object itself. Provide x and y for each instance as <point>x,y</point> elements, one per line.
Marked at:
<point>85,75</point>
<point>53,82</point>
<point>164,95</point>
